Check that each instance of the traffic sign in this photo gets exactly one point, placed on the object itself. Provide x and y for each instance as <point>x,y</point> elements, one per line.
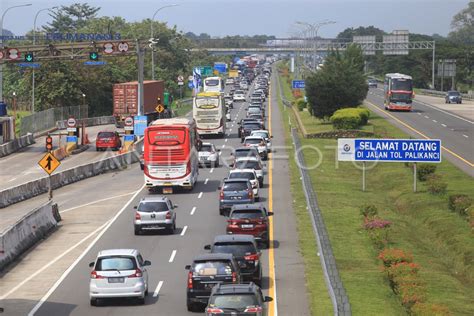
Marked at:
<point>29,65</point>
<point>1,54</point>
<point>49,163</point>
<point>298,84</point>
<point>94,56</point>
<point>29,58</point>
<point>13,53</point>
<point>122,47</point>
<point>160,108</point>
<point>139,125</point>
<point>180,78</point>
<point>95,63</point>
<point>129,138</point>
<point>71,122</point>
<point>108,48</point>
<point>128,121</point>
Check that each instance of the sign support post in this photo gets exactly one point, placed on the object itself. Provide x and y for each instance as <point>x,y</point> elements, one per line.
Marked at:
<point>414,177</point>
<point>363,176</point>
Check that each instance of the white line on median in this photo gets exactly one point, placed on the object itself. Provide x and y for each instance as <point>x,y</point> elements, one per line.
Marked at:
<point>225,141</point>
<point>444,125</point>
<point>158,288</point>
<point>94,202</point>
<point>435,121</point>
<point>193,210</point>
<point>223,146</point>
<point>206,181</point>
<point>465,136</point>
<point>184,230</point>
<point>212,170</point>
<point>12,179</point>
<point>427,116</point>
<point>173,254</point>
<point>200,195</point>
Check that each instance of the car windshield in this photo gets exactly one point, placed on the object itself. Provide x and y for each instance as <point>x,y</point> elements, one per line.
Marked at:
<point>149,207</point>
<point>247,164</point>
<point>206,148</point>
<point>235,186</point>
<point>106,135</point>
<point>242,175</point>
<point>238,249</point>
<point>233,301</point>
<point>252,214</point>
<point>207,268</point>
<point>453,93</point>
<point>261,134</point>
<point>115,263</point>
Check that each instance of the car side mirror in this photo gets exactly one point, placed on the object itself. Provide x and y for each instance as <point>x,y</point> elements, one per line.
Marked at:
<point>187,267</point>
<point>175,206</point>
<point>218,150</point>
<point>270,214</point>
<point>207,247</point>
<point>271,136</point>
<point>135,207</point>
<point>91,264</point>
<point>146,263</point>
<point>268,299</point>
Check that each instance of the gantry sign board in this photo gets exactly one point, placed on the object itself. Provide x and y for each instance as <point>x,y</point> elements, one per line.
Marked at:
<point>366,43</point>
<point>389,150</point>
<point>399,39</point>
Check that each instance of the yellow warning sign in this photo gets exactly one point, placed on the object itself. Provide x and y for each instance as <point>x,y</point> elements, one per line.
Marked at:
<point>49,163</point>
<point>160,108</point>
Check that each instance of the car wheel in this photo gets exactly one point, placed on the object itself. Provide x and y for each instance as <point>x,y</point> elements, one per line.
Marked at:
<point>260,183</point>
<point>94,302</point>
<point>137,231</point>
<point>96,149</point>
<point>221,212</point>
<point>190,306</point>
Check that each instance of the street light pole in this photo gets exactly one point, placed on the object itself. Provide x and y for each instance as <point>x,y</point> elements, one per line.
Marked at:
<point>33,73</point>
<point>313,29</point>
<point>151,36</point>
<point>1,43</point>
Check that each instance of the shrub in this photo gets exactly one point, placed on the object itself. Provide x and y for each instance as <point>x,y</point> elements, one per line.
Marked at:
<point>376,223</point>
<point>425,309</point>
<point>436,185</point>
<point>364,115</point>
<point>368,210</point>
<point>470,216</point>
<point>390,256</point>
<point>424,170</point>
<point>460,203</point>
<point>301,104</point>
<point>350,118</point>
<point>378,230</point>
<point>412,292</point>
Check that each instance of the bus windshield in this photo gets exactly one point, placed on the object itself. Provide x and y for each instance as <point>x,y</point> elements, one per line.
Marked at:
<point>212,82</point>
<point>401,84</point>
<point>207,103</point>
<point>166,137</point>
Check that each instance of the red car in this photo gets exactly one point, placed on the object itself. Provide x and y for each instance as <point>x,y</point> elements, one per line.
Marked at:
<point>250,219</point>
<point>106,140</point>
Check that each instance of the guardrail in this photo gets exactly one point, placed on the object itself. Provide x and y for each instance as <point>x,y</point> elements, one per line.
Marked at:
<point>442,94</point>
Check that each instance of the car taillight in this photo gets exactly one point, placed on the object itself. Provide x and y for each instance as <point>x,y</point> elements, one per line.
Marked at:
<point>138,274</point>
<point>137,216</point>
<point>221,195</point>
<point>253,309</point>
<point>253,257</point>
<point>234,277</point>
<point>190,280</point>
<point>250,192</point>
<point>232,224</point>
<point>168,215</point>
<point>94,275</point>
<point>211,310</point>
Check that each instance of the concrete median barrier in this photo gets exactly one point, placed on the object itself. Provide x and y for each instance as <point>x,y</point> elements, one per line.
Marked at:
<point>40,186</point>
<point>16,144</point>
<point>28,230</point>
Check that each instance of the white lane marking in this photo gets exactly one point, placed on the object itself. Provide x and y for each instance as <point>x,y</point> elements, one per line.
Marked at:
<point>444,125</point>
<point>465,136</point>
<point>452,129</point>
<point>223,146</point>
<point>185,228</point>
<point>158,288</point>
<point>52,262</point>
<point>207,180</point>
<point>435,121</point>
<point>200,195</point>
<point>193,210</point>
<point>212,170</point>
<point>94,202</point>
<point>12,179</point>
<point>173,254</point>
<point>220,153</point>
<point>445,112</point>
<point>84,253</point>
<point>418,113</point>
<point>427,116</point>
<point>225,141</point>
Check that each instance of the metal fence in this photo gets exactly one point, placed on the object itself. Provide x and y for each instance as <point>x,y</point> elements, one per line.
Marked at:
<point>46,120</point>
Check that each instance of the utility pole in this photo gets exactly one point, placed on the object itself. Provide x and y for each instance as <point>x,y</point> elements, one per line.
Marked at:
<point>140,61</point>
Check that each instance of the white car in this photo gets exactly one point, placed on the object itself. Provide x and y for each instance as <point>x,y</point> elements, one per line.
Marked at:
<point>266,135</point>
<point>209,155</point>
<point>259,143</point>
<point>244,86</point>
<point>239,95</point>
<point>248,174</point>
<point>251,163</point>
<point>118,273</point>
<point>229,81</point>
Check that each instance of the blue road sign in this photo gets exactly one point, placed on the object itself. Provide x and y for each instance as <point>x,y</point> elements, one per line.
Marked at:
<point>298,84</point>
<point>221,68</point>
<point>389,150</point>
<point>140,123</point>
<point>71,139</point>
<point>190,85</point>
<point>128,138</point>
<point>29,65</point>
<point>95,63</point>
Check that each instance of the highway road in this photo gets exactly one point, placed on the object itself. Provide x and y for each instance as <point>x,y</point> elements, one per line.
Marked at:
<point>427,121</point>
<point>22,166</point>
<point>198,222</point>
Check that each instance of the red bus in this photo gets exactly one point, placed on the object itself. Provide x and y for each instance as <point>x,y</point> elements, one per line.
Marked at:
<point>398,92</point>
<point>170,154</point>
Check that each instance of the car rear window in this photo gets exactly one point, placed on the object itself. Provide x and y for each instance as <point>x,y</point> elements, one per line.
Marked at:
<point>206,268</point>
<point>246,214</point>
<point>149,207</point>
<point>238,249</point>
<point>247,165</point>
<point>235,186</point>
<point>207,148</point>
<point>233,301</point>
<point>253,141</point>
<point>261,134</point>
<point>115,263</point>
<point>242,175</point>
<point>106,134</point>
<point>252,126</point>
<point>245,153</point>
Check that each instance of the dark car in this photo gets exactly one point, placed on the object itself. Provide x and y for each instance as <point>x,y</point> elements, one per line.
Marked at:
<point>206,271</point>
<point>259,118</point>
<point>242,123</point>
<point>453,97</point>
<point>372,83</point>
<point>237,299</point>
<point>247,128</point>
<point>245,251</point>
<point>106,140</point>
<point>235,191</point>
<point>250,219</point>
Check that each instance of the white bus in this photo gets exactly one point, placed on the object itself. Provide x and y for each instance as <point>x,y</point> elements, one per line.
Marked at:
<point>209,111</point>
<point>214,84</point>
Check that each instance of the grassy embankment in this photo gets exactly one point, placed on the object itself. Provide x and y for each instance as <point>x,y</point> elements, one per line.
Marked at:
<point>440,241</point>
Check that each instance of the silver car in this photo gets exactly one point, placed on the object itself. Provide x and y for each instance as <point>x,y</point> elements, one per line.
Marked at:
<point>155,213</point>
<point>118,273</point>
<point>209,155</point>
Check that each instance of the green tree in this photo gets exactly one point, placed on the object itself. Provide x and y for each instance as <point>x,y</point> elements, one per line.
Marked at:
<point>463,25</point>
<point>71,18</point>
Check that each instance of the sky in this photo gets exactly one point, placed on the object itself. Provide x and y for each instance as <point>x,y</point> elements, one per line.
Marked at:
<point>249,17</point>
